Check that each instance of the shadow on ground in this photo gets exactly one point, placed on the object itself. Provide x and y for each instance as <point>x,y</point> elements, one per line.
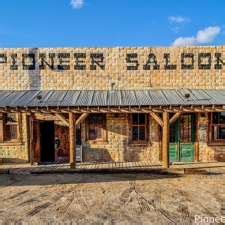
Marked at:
<point>76,178</point>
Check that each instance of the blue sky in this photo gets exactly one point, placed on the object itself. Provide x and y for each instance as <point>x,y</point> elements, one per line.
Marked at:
<point>108,23</point>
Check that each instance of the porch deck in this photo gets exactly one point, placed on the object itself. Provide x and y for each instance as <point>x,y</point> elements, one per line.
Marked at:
<point>108,167</point>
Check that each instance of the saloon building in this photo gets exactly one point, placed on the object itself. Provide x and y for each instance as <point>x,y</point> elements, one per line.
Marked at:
<point>68,105</point>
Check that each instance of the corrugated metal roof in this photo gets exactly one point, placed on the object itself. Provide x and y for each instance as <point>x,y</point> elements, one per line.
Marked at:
<point>89,98</point>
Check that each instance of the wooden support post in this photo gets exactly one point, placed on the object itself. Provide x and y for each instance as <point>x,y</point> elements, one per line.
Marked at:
<point>1,127</point>
<point>72,138</point>
<point>30,137</point>
<point>165,140</point>
<point>27,140</point>
<point>197,138</point>
<point>19,127</point>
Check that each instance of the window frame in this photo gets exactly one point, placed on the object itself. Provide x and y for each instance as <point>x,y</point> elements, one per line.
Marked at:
<point>211,130</point>
<point>3,124</point>
<point>104,135</point>
<point>146,127</point>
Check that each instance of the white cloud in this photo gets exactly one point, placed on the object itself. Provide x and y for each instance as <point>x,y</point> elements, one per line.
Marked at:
<point>204,36</point>
<point>77,4</point>
<point>178,19</point>
<point>184,41</point>
<point>208,35</point>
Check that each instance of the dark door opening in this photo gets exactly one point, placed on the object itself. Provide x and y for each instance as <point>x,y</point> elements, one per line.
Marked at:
<point>78,136</point>
<point>47,140</point>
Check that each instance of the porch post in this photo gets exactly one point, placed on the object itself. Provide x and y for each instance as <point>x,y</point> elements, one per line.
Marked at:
<point>165,140</point>
<point>30,133</point>
<point>72,138</point>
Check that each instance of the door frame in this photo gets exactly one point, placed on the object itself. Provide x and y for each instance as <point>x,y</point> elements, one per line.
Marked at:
<point>177,145</point>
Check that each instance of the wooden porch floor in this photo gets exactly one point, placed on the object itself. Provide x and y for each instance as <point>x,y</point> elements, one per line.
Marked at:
<point>117,165</point>
<point>106,167</point>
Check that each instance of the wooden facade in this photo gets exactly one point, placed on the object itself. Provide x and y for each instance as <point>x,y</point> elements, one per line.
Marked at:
<point>161,105</point>
<point>67,120</point>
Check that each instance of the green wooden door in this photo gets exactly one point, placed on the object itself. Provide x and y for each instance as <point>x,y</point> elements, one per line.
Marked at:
<point>174,142</point>
<point>182,139</point>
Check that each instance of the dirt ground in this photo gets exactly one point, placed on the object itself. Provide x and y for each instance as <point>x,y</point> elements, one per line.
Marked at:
<point>111,198</point>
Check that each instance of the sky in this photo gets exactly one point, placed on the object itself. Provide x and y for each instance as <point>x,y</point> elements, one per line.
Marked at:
<point>111,23</point>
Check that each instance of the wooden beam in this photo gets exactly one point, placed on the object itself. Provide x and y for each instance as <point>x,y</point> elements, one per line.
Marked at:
<point>156,118</point>
<point>44,116</point>
<point>62,118</point>
<point>175,117</point>
<point>165,140</point>
<point>81,118</point>
<point>145,109</point>
<point>72,138</point>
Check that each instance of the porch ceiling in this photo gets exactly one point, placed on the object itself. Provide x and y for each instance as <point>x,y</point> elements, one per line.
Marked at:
<point>117,98</point>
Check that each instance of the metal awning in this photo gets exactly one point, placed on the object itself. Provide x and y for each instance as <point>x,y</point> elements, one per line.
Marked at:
<point>99,98</point>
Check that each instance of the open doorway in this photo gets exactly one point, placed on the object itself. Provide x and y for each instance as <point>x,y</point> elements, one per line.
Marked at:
<point>51,142</point>
<point>47,140</point>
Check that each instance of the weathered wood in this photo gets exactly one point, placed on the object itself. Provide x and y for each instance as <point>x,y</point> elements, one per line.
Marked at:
<point>144,109</point>
<point>1,127</point>
<point>49,117</point>
<point>175,117</point>
<point>19,127</point>
<point>197,151</point>
<point>30,137</point>
<point>62,118</point>
<point>81,118</point>
<point>45,116</point>
<point>156,118</point>
<point>165,140</point>
<point>72,138</point>
<point>197,139</point>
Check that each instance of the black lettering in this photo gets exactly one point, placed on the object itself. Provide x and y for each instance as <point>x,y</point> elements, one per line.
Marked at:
<point>3,58</point>
<point>185,66</point>
<point>31,57</point>
<point>167,65</point>
<point>97,59</point>
<point>132,59</point>
<point>152,62</point>
<point>14,65</point>
<point>205,66</point>
<point>79,61</point>
<point>64,61</point>
<point>44,62</point>
<point>219,62</point>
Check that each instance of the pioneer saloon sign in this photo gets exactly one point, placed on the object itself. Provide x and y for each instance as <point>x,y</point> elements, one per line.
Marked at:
<point>77,61</point>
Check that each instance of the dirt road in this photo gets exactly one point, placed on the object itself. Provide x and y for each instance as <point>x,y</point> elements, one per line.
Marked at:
<point>110,198</point>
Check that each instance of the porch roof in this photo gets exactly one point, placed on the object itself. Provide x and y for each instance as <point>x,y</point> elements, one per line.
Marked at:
<point>98,98</point>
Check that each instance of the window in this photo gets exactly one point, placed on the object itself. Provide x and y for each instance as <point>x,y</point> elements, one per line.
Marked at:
<point>139,127</point>
<point>186,128</point>
<point>217,127</point>
<point>97,127</point>
<point>8,127</point>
